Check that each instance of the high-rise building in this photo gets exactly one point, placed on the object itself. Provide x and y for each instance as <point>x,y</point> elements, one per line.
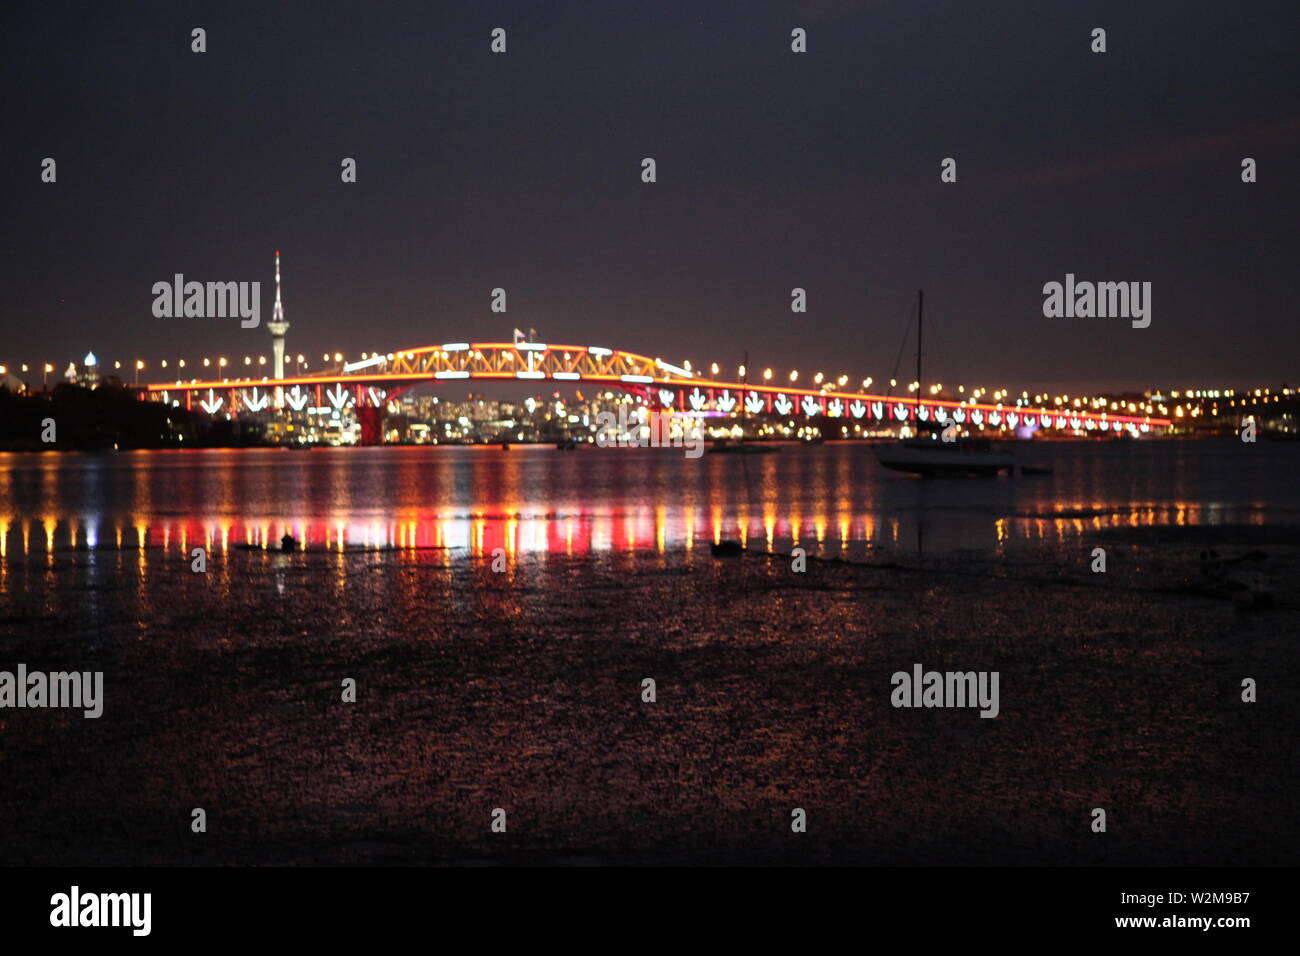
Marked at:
<point>90,371</point>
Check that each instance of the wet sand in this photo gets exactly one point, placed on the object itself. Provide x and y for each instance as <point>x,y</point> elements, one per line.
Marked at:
<point>522,690</point>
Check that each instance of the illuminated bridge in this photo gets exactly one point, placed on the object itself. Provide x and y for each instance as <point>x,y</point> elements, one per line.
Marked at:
<point>368,387</point>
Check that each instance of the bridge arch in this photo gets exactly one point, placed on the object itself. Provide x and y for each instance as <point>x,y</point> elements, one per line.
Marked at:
<point>374,382</point>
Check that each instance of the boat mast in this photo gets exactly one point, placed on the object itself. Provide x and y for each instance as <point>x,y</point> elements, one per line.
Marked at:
<point>920,324</point>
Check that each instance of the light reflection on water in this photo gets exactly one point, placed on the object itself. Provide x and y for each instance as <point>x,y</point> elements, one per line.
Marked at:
<point>831,499</point>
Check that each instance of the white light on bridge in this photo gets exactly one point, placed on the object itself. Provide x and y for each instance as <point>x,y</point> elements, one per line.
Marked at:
<point>531,347</point>
<point>597,350</point>
<point>366,364</point>
<point>636,378</point>
<point>568,376</point>
<point>673,368</point>
<point>456,347</point>
<point>530,375</point>
<point>451,374</point>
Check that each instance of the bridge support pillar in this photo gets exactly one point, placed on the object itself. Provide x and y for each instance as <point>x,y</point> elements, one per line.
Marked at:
<point>372,424</point>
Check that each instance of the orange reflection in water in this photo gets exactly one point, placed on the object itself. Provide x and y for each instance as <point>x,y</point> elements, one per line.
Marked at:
<point>475,500</point>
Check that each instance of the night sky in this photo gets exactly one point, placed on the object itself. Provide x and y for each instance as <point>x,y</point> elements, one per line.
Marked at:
<point>775,170</point>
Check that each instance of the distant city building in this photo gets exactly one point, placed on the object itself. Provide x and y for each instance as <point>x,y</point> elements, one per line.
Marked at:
<point>90,371</point>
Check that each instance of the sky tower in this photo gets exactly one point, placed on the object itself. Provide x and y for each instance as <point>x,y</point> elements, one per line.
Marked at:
<point>278,327</point>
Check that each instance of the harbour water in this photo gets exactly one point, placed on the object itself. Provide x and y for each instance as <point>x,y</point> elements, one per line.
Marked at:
<point>830,499</point>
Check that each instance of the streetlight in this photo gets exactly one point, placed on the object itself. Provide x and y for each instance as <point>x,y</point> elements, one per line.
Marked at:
<point>138,366</point>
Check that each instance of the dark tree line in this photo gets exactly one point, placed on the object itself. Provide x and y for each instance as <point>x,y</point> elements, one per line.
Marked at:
<point>109,416</point>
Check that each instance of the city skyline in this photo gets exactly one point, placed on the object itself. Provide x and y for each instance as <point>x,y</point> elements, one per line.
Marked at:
<point>257,367</point>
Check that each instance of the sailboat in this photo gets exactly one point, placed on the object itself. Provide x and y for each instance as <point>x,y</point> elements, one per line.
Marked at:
<point>930,455</point>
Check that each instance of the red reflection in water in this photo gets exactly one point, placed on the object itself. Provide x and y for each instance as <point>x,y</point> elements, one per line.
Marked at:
<point>536,500</point>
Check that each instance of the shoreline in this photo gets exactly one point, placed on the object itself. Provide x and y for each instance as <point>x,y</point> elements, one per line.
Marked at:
<point>773,693</point>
